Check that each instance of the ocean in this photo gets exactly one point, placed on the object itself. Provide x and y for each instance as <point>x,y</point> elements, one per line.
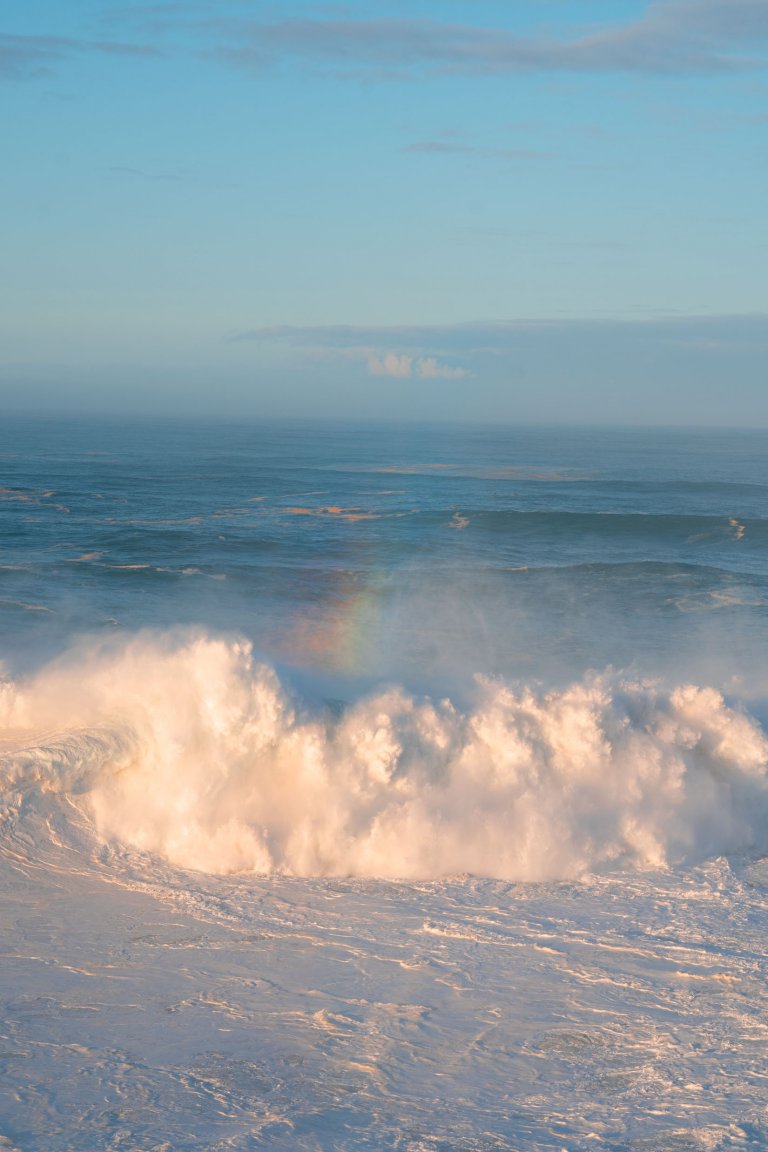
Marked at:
<point>374,787</point>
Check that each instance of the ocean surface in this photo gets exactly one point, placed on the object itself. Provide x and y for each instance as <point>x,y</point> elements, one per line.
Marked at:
<point>382,787</point>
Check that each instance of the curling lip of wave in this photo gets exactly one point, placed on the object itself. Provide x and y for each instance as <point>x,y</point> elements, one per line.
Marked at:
<point>193,751</point>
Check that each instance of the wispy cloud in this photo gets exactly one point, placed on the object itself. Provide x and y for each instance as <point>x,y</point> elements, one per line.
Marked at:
<point>367,341</point>
<point>670,36</point>
<point>22,57</point>
<point>429,368</point>
<point>400,366</point>
<point>129,172</point>
<point>141,174</point>
<point>419,342</point>
<point>453,148</point>
<point>354,335</point>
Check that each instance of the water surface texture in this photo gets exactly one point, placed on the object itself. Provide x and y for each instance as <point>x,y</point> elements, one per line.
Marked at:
<point>382,787</point>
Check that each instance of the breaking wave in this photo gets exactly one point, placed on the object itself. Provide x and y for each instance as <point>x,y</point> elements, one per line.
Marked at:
<point>195,751</point>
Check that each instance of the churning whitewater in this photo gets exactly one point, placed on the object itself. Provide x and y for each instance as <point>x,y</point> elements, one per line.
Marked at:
<point>194,751</point>
<point>382,790</point>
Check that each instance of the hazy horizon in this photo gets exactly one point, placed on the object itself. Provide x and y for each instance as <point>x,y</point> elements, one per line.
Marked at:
<point>480,212</point>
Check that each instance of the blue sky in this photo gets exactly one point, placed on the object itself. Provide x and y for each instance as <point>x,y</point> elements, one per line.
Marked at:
<point>533,210</point>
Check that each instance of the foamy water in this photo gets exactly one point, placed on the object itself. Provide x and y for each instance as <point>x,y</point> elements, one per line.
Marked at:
<point>382,789</point>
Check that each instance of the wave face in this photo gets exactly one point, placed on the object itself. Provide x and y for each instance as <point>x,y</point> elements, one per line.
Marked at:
<point>194,751</point>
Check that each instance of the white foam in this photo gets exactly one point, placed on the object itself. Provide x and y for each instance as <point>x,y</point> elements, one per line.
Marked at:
<point>192,750</point>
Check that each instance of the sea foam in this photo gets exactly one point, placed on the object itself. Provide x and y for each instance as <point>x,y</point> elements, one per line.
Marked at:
<point>194,750</point>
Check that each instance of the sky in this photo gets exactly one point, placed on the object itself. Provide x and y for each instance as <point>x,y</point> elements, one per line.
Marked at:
<point>496,210</point>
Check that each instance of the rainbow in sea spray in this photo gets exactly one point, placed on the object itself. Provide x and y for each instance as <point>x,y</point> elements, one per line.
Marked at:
<point>337,634</point>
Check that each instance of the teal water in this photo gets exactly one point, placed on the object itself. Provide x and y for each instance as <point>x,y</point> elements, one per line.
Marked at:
<point>351,555</point>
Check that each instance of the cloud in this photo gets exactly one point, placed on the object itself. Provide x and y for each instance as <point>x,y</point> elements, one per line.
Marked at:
<point>349,337</point>
<point>400,366</point>
<point>414,348</point>
<point>665,370</point>
<point>381,348</point>
<point>430,369</point>
<point>141,174</point>
<point>670,36</point>
<point>22,57</point>
<point>390,364</point>
<point>450,148</point>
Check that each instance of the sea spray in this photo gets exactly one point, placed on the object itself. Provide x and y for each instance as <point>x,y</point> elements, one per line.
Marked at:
<point>193,750</point>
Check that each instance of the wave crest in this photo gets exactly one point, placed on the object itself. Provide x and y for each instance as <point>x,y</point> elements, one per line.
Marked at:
<point>195,751</point>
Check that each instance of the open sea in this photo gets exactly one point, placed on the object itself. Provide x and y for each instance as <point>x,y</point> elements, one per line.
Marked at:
<point>382,787</point>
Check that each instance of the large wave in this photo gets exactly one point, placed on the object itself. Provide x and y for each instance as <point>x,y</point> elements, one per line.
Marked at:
<point>193,750</point>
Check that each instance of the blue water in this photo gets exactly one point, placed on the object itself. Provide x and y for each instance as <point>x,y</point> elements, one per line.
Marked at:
<point>352,555</point>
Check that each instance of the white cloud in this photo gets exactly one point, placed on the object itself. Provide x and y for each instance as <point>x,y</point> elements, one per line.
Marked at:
<point>400,366</point>
<point>430,369</point>
<point>390,364</point>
